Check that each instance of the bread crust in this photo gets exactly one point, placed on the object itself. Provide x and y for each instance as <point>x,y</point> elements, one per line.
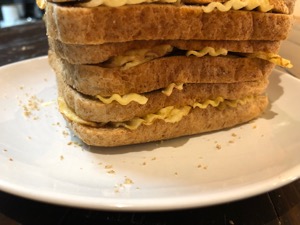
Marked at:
<point>198,121</point>
<point>93,54</point>
<point>159,73</point>
<point>151,22</point>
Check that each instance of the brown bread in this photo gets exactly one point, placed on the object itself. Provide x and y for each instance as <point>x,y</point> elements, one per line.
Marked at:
<point>76,25</point>
<point>95,80</point>
<point>93,54</point>
<point>197,121</point>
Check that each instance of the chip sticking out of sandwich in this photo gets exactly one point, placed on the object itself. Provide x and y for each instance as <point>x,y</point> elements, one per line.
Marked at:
<point>136,71</point>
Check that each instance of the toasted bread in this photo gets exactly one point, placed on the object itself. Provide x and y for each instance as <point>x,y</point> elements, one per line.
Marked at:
<point>100,25</point>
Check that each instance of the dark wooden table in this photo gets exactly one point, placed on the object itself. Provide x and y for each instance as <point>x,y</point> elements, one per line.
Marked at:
<point>278,207</point>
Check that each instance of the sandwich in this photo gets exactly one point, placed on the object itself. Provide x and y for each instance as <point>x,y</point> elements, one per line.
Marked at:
<point>136,71</point>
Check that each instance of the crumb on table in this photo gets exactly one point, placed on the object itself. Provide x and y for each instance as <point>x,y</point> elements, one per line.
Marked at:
<point>218,146</point>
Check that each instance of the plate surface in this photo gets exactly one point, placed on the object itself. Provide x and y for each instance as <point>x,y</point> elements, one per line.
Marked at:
<point>40,159</point>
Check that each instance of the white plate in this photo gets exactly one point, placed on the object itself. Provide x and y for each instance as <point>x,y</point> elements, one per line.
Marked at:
<point>39,161</point>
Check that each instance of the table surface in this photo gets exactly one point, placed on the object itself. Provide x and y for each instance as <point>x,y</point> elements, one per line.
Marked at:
<point>278,207</point>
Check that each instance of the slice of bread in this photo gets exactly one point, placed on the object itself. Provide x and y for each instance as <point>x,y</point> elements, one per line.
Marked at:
<point>93,54</point>
<point>197,121</point>
<point>98,25</point>
<point>159,73</point>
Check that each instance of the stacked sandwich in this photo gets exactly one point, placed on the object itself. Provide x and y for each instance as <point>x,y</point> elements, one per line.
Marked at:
<point>134,71</point>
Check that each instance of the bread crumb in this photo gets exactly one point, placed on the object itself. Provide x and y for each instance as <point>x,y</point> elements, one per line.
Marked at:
<point>108,167</point>
<point>254,127</point>
<point>128,181</point>
<point>233,134</point>
<point>5,150</point>
<point>176,173</point>
<point>65,133</point>
<point>26,112</point>
<point>154,158</point>
<point>61,157</point>
<point>231,141</point>
<point>204,167</point>
<point>111,172</point>
<point>77,145</point>
<point>33,104</point>
<point>144,163</point>
<point>199,166</point>
<point>69,143</point>
<point>218,146</point>
<point>10,159</point>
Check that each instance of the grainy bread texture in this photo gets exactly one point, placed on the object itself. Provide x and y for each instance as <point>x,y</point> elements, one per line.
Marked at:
<point>197,121</point>
<point>98,25</point>
<point>93,54</point>
<point>91,109</point>
<point>95,80</point>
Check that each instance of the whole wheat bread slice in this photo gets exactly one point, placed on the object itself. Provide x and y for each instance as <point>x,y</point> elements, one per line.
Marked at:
<point>93,54</point>
<point>91,109</point>
<point>197,121</point>
<point>159,73</point>
<point>76,25</point>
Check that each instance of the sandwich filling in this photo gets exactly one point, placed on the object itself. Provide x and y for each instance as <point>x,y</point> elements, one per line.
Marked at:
<point>249,5</point>
<point>118,3</point>
<point>259,5</point>
<point>134,97</point>
<point>169,114</point>
<point>136,57</point>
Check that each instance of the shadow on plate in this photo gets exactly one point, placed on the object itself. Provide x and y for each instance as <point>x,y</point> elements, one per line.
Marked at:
<point>274,92</point>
